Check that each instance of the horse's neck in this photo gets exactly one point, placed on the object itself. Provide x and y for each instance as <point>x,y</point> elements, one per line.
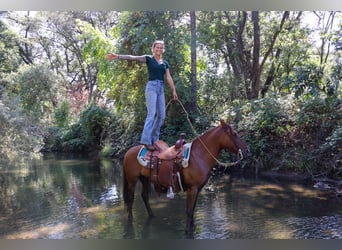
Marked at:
<point>208,142</point>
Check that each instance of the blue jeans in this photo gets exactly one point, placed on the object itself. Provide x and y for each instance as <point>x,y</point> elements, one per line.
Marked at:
<point>155,104</point>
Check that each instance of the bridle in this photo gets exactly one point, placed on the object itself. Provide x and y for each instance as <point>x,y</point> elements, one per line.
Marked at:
<point>224,164</point>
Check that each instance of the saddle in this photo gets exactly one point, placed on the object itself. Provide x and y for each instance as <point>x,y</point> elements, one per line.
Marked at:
<point>162,165</point>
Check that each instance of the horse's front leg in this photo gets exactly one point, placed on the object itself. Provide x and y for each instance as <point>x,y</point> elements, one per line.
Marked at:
<point>146,187</point>
<point>191,199</point>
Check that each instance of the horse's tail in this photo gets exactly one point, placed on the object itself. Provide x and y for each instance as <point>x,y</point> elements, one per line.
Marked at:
<point>125,186</point>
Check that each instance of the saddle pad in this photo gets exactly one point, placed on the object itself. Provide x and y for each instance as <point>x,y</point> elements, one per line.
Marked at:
<point>185,160</point>
<point>141,156</point>
<point>186,154</point>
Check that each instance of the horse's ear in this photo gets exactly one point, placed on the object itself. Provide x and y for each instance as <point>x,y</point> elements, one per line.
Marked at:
<point>223,122</point>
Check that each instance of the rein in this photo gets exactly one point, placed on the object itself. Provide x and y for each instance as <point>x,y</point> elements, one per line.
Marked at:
<point>226,165</point>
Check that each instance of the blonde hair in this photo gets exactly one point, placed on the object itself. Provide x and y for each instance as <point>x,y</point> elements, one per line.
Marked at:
<point>158,42</point>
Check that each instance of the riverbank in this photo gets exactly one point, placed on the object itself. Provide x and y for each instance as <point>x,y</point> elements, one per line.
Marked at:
<point>330,186</point>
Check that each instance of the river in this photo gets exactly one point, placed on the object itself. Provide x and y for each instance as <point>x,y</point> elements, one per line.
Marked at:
<point>73,196</point>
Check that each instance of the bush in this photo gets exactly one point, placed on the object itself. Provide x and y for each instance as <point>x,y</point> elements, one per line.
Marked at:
<point>266,123</point>
<point>20,139</point>
<point>62,114</point>
<point>35,85</point>
<point>296,135</point>
<point>88,132</point>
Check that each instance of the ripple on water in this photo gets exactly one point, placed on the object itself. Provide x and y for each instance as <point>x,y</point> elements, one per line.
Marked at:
<point>325,227</point>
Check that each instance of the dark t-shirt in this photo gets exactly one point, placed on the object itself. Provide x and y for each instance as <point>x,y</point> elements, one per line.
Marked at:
<point>155,70</point>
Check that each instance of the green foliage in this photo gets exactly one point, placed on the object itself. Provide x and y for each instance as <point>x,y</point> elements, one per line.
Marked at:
<point>20,139</point>
<point>107,150</point>
<point>52,139</point>
<point>322,122</point>
<point>8,57</point>
<point>300,135</point>
<point>125,81</point>
<point>135,34</point>
<point>334,81</point>
<point>36,87</point>
<point>62,114</point>
<point>180,120</point>
<point>94,52</point>
<point>268,121</point>
<point>281,132</point>
<point>88,132</point>
<point>317,118</point>
<point>94,121</point>
<point>74,140</point>
<point>124,132</point>
<point>333,144</point>
<point>307,81</point>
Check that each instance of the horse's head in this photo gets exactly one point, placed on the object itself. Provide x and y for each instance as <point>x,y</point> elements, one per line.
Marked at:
<point>233,141</point>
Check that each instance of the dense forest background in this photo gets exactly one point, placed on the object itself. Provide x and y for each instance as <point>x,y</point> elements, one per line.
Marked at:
<point>274,75</point>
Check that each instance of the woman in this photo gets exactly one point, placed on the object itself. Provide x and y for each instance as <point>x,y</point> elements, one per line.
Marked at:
<point>158,69</point>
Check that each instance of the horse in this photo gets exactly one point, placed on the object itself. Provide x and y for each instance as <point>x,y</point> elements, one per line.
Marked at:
<point>203,155</point>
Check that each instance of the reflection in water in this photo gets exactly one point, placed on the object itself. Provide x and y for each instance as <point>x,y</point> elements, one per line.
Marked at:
<point>63,197</point>
<point>110,196</point>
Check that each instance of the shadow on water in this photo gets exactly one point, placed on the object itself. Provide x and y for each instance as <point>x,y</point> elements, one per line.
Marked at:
<point>75,196</point>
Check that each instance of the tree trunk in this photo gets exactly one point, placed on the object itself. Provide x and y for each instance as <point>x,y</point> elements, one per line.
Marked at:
<point>194,109</point>
<point>271,74</point>
<point>256,56</point>
<point>257,66</point>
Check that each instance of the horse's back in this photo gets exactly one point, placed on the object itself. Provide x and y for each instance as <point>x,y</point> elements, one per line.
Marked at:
<point>130,162</point>
<point>131,165</point>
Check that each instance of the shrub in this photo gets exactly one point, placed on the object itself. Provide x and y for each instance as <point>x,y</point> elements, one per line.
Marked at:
<point>88,132</point>
<point>296,135</point>
<point>62,114</point>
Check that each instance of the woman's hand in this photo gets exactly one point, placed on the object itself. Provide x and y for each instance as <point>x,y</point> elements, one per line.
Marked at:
<point>175,96</point>
<point>111,56</point>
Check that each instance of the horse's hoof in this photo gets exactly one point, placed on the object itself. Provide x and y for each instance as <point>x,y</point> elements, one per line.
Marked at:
<point>189,234</point>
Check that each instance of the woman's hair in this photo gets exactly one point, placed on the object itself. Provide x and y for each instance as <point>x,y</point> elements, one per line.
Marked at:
<point>157,42</point>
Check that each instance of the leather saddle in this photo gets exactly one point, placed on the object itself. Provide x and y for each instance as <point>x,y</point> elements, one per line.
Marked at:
<point>162,166</point>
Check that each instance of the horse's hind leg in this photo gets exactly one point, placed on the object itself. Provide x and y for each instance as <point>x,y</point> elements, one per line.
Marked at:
<point>146,187</point>
<point>129,201</point>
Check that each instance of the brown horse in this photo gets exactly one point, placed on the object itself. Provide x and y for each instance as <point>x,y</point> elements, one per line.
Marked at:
<point>203,156</point>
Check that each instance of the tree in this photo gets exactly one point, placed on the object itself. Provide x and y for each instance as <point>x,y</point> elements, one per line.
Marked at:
<point>245,46</point>
<point>8,57</point>
<point>318,75</point>
<point>58,38</point>
<point>326,24</point>
<point>193,30</point>
<point>134,35</point>
<point>35,86</point>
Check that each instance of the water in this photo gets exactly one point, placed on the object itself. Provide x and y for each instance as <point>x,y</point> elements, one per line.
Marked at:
<point>71,197</point>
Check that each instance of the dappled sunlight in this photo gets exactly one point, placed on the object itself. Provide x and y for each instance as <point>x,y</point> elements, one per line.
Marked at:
<point>265,190</point>
<point>277,230</point>
<point>308,193</point>
<point>53,232</point>
<point>284,191</point>
<point>84,200</point>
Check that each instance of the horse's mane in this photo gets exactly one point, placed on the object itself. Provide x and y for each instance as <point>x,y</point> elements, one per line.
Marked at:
<point>209,130</point>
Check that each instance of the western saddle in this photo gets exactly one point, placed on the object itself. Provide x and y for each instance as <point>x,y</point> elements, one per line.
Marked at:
<point>162,166</point>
